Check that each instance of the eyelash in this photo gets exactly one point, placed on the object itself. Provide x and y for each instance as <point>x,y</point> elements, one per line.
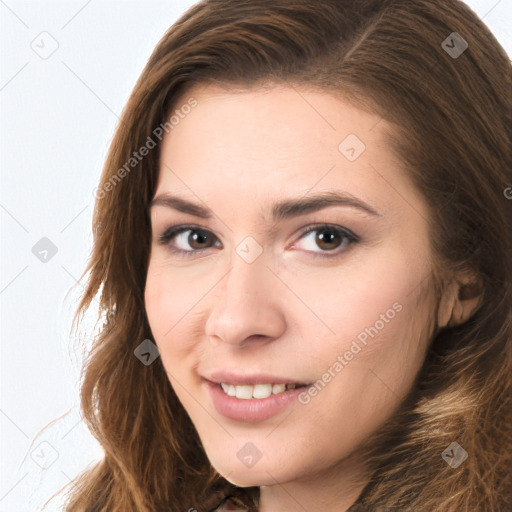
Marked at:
<point>343,232</point>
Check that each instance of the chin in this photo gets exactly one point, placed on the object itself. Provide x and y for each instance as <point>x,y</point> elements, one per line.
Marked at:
<point>247,478</point>
<point>262,473</point>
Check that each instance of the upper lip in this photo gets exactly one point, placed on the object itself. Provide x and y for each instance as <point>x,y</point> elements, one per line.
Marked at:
<point>229,377</point>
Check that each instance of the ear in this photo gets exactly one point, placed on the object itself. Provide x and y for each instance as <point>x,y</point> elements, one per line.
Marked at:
<point>460,299</point>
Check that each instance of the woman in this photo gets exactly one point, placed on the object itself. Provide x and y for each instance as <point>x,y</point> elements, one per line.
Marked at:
<point>244,362</point>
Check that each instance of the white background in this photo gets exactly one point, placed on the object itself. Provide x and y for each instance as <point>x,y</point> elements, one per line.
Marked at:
<point>58,117</point>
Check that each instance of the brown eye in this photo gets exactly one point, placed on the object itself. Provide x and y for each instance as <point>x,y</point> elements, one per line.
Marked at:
<point>197,238</point>
<point>187,239</point>
<point>190,240</point>
<point>327,238</point>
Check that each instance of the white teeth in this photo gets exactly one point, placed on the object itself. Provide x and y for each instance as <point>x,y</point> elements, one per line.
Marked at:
<point>244,392</point>
<point>259,391</point>
<point>278,388</point>
<point>262,390</point>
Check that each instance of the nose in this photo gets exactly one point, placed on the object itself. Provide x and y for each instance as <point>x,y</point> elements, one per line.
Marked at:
<point>247,306</point>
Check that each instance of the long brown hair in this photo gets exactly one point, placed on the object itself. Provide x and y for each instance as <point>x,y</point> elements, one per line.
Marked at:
<point>452,127</point>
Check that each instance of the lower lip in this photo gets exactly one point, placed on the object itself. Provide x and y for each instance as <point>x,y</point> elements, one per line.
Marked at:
<point>253,409</point>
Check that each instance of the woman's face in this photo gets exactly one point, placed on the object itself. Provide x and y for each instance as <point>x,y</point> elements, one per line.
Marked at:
<point>243,295</point>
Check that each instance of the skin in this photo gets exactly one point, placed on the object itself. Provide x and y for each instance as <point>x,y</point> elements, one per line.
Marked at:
<point>290,313</point>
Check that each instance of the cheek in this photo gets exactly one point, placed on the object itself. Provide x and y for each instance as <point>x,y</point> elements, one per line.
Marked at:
<point>372,326</point>
<point>162,307</point>
<point>172,301</point>
<point>347,299</point>
<point>168,298</point>
<point>157,298</point>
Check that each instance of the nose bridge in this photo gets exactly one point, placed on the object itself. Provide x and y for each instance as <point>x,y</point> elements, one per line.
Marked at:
<point>243,286</point>
<point>248,266</point>
<point>245,303</point>
<point>248,271</point>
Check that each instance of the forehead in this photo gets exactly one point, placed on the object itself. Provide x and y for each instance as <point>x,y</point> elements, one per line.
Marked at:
<point>283,141</point>
<point>279,110</point>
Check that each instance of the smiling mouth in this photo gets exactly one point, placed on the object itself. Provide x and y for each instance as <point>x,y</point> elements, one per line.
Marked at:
<point>258,391</point>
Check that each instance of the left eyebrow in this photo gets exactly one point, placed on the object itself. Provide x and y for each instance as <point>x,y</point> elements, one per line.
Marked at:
<point>295,207</point>
<point>281,210</point>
